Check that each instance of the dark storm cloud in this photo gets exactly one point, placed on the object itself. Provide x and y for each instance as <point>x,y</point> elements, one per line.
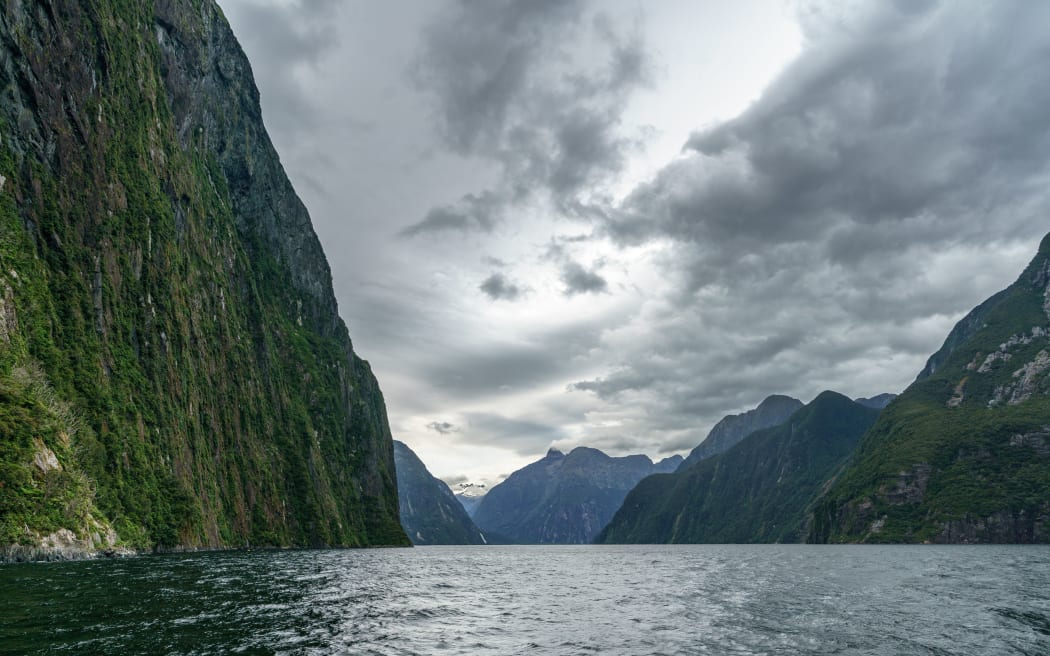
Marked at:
<point>442,427</point>
<point>578,280</point>
<point>905,125</point>
<point>827,234</point>
<point>507,86</point>
<point>498,287</point>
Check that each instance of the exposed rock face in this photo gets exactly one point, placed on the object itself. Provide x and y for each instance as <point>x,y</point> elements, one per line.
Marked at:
<point>910,486</point>
<point>563,499</point>
<point>430,513</point>
<point>962,455</point>
<point>1028,380</point>
<point>159,273</point>
<point>733,428</point>
<point>1023,526</point>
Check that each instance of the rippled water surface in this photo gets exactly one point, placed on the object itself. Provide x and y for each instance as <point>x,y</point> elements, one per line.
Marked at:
<point>538,600</point>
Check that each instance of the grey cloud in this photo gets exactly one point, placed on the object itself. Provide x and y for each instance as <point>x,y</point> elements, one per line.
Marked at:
<point>454,481</point>
<point>826,237</point>
<point>608,387</point>
<point>442,427</point>
<point>885,130</point>
<point>478,58</point>
<point>523,436</point>
<point>491,369</point>
<point>472,212</point>
<point>498,287</point>
<point>578,280</point>
<point>494,370</point>
<point>507,87</point>
<point>283,37</point>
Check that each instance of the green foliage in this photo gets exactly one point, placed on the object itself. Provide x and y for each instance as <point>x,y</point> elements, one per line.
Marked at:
<point>211,413</point>
<point>35,500</point>
<point>758,491</point>
<point>955,443</point>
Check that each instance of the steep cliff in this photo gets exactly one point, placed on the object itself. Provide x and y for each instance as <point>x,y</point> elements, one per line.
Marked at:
<point>962,455</point>
<point>430,513</point>
<point>173,368</point>
<point>563,499</point>
<point>758,491</point>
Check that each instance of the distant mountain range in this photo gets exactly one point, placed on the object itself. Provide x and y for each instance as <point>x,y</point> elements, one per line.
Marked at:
<point>733,428</point>
<point>758,491</point>
<point>961,456</point>
<point>430,513</point>
<point>563,499</point>
<point>470,499</point>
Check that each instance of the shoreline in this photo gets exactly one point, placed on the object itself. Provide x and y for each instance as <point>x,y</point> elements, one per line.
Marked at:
<point>14,554</point>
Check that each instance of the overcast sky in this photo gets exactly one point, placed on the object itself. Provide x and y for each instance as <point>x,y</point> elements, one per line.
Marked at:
<point>610,223</point>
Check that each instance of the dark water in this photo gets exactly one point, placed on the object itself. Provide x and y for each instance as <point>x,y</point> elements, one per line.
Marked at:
<point>538,600</point>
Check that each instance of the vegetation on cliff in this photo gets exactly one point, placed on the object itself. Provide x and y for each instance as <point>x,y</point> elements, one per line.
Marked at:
<point>758,491</point>
<point>963,455</point>
<point>169,337</point>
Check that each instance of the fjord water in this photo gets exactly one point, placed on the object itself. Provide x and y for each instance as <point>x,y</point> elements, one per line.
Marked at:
<point>765,599</point>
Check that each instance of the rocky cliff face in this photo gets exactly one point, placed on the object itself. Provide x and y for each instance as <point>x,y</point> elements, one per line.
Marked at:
<point>170,337</point>
<point>732,429</point>
<point>430,513</point>
<point>563,499</point>
<point>961,455</point>
<point>757,491</point>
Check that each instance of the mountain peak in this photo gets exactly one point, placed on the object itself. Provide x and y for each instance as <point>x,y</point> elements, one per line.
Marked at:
<point>757,491</point>
<point>561,499</point>
<point>773,410</point>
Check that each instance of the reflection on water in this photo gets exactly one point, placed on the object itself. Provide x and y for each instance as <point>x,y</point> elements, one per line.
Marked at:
<point>538,599</point>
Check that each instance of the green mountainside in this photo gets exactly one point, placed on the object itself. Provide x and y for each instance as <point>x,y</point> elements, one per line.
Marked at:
<point>430,513</point>
<point>731,429</point>
<point>758,491</point>
<point>963,455</point>
<point>173,369</point>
